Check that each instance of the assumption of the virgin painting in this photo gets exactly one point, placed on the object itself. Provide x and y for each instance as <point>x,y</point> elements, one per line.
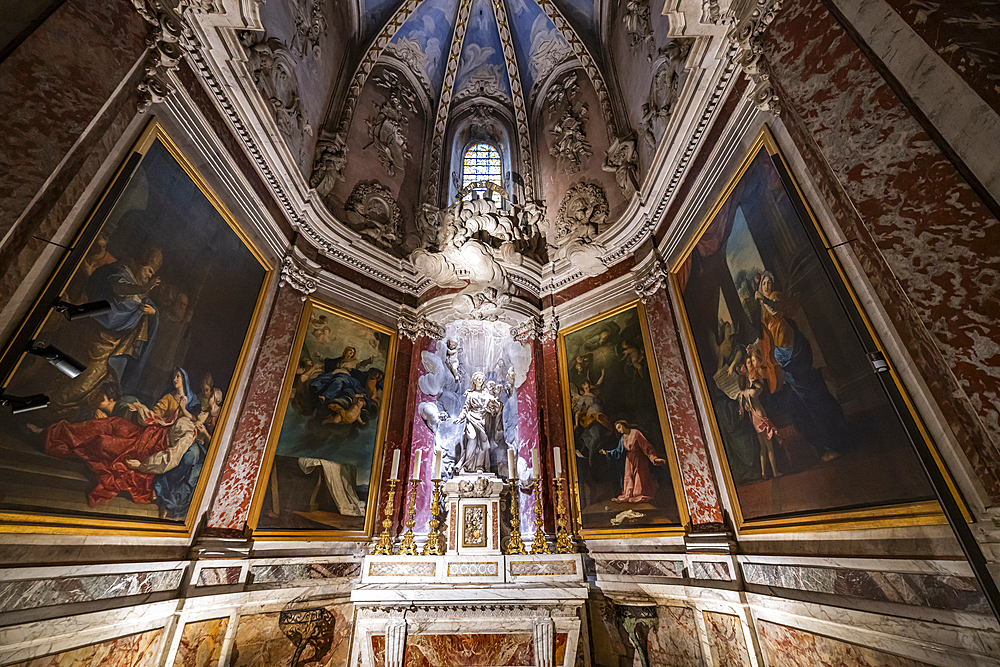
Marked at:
<point>623,456</point>
<point>130,437</point>
<point>326,447</point>
<point>805,428</point>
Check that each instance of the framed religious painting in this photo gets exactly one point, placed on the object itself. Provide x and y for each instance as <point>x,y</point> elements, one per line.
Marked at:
<point>131,356</point>
<point>624,475</point>
<point>806,431</point>
<point>322,464</point>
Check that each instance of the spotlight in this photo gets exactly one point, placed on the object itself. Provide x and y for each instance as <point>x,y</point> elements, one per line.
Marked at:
<point>19,404</point>
<point>57,358</point>
<point>74,311</point>
<point>879,364</point>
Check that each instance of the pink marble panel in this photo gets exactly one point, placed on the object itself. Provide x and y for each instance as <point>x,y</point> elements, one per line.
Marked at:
<point>514,650</point>
<point>675,640</point>
<point>528,436</point>
<point>925,240</point>
<point>201,643</point>
<point>692,455</point>
<point>726,640</point>
<point>242,469</point>
<point>422,438</point>
<point>139,650</point>
<point>789,647</point>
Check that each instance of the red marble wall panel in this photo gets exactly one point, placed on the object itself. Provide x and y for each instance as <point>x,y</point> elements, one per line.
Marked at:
<point>469,650</point>
<point>789,647</point>
<point>925,240</point>
<point>964,34</point>
<point>726,640</point>
<point>398,431</point>
<point>528,432</point>
<point>554,416</point>
<point>246,451</point>
<point>692,456</point>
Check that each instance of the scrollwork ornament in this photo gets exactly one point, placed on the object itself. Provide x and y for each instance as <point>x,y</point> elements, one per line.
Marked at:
<point>748,35</point>
<point>168,40</point>
<point>297,278</point>
<point>414,327</point>
<point>653,282</point>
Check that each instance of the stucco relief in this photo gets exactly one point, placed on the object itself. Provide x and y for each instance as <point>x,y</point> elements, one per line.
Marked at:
<point>569,145</point>
<point>330,162</point>
<point>387,128</point>
<point>272,68</point>
<point>310,27</point>
<point>664,90</point>
<point>583,211</point>
<point>637,23</point>
<point>622,160</point>
<point>372,210</point>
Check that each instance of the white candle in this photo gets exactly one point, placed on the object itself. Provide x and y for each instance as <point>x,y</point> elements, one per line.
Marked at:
<point>416,466</point>
<point>395,464</point>
<point>534,464</point>
<point>437,464</point>
<point>558,461</point>
<point>511,464</point>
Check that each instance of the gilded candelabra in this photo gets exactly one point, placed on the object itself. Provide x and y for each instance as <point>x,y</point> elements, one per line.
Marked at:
<point>408,547</point>
<point>564,545</point>
<point>384,545</point>
<point>432,547</point>
<point>539,546</point>
<point>515,545</point>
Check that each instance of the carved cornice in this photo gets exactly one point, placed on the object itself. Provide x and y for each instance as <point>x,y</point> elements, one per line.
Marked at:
<point>748,35</point>
<point>297,277</point>
<point>417,326</point>
<point>168,40</point>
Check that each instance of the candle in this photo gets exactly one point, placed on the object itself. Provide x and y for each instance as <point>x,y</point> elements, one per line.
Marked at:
<point>416,466</point>
<point>395,464</point>
<point>558,461</point>
<point>534,464</point>
<point>437,464</point>
<point>511,464</point>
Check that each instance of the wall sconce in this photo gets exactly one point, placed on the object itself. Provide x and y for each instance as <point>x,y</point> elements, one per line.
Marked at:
<point>73,311</point>
<point>57,358</point>
<point>19,404</point>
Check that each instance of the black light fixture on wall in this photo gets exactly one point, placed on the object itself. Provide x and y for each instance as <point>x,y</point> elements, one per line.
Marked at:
<point>62,361</point>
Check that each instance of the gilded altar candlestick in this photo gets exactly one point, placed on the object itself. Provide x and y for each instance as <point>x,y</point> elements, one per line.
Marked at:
<point>384,545</point>
<point>564,545</point>
<point>432,547</point>
<point>515,545</point>
<point>539,546</point>
<point>408,547</point>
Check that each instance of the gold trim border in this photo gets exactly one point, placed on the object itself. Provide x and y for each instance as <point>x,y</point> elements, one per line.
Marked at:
<point>26,522</point>
<point>263,479</point>
<point>668,440</point>
<point>884,516</point>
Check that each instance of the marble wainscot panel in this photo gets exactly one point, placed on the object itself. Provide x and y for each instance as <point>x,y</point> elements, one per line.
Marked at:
<point>23,642</point>
<point>951,638</point>
<point>938,584</point>
<point>557,567</point>
<point>317,571</point>
<point>138,650</point>
<point>32,587</point>
<point>920,233</point>
<point>646,567</point>
<point>201,643</point>
<point>239,476</point>
<point>467,634</point>
<point>220,572</point>
<point>297,635</point>
<point>675,639</point>
<point>788,647</point>
<point>473,569</point>
<point>726,640</point>
<point>692,456</point>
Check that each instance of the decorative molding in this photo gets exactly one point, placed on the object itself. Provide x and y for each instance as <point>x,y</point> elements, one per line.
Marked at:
<point>520,109</point>
<point>748,35</point>
<point>444,102</point>
<point>168,39</point>
<point>648,283</point>
<point>296,277</point>
<point>417,326</point>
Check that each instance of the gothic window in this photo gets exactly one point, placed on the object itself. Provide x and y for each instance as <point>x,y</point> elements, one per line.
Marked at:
<point>481,164</point>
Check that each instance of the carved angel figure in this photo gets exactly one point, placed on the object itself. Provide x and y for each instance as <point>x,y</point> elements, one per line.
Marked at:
<point>570,146</point>
<point>622,160</point>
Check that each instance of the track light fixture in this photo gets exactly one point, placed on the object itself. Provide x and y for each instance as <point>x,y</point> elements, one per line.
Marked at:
<point>74,311</point>
<point>19,404</point>
<point>57,358</point>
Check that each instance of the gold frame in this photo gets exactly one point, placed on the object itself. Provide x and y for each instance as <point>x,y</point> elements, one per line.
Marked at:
<point>371,508</point>
<point>904,514</point>
<point>23,522</point>
<point>668,440</point>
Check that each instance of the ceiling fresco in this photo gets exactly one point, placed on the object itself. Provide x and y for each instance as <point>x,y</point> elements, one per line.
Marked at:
<point>481,69</point>
<point>424,40</point>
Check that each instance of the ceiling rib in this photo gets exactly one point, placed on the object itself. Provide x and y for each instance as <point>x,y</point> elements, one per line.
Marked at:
<point>371,56</point>
<point>583,54</point>
<point>520,110</point>
<point>444,101</point>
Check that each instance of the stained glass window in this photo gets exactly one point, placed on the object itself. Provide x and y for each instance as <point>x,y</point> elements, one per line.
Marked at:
<point>481,163</point>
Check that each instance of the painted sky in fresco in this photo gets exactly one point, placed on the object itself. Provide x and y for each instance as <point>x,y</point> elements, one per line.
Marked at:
<point>482,53</point>
<point>429,29</point>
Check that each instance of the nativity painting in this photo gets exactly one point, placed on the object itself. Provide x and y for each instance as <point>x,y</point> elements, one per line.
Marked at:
<point>328,440</point>
<point>616,424</point>
<point>130,436</point>
<point>803,422</point>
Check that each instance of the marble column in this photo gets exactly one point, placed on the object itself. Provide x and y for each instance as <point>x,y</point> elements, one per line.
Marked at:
<point>395,640</point>
<point>692,455</point>
<point>242,468</point>
<point>544,643</point>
